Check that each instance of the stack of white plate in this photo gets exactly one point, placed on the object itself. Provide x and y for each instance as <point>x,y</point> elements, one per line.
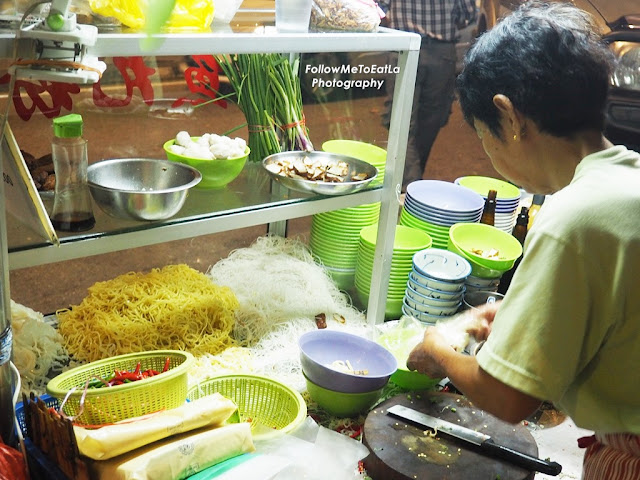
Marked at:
<point>436,285</point>
<point>434,206</point>
<point>507,200</point>
<point>334,239</point>
<point>406,243</point>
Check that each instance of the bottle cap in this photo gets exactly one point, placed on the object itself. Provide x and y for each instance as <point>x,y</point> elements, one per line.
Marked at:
<point>68,126</point>
<point>538,199</point>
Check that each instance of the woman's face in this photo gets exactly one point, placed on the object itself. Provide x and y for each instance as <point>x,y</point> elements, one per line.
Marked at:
<point>507,156</point>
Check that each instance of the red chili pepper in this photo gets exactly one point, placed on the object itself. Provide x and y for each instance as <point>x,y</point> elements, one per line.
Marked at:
<point>167,362</point>
<point>132,377</point>
<point>137,370</point>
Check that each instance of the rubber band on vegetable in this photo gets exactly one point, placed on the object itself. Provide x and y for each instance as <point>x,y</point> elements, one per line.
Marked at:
<point>299,123</point>
<point>258,128</point>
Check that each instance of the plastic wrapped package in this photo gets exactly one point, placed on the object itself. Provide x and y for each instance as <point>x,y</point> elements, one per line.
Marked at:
<point>348,15</point>
<point>179,456</point>
<point>113,440</point>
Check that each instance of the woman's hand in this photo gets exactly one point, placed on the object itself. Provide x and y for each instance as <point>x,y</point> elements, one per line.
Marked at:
<point>483,316</point>
<point>429,356</point>
<point>426,356</point>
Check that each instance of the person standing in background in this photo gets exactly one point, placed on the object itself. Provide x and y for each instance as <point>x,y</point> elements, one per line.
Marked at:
<point>437,22</point>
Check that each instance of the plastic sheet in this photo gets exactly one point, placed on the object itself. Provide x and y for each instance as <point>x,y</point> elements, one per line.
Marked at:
<point>350,15</point>
<point>311,452</point>
<point>186,14</point>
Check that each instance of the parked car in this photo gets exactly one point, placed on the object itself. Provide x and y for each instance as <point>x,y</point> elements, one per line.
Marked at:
<point>620,21</point>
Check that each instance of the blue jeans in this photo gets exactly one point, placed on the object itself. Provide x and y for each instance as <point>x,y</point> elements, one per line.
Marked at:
<point>432,100</point>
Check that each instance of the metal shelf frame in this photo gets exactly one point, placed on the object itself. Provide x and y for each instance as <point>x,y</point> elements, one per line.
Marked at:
<point>260,39</point>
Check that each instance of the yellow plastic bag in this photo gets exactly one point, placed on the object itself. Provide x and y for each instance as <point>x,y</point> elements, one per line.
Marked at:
<point>186,14</point>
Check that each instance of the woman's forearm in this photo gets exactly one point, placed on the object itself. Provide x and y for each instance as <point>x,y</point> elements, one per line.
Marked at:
<point>485,391</point>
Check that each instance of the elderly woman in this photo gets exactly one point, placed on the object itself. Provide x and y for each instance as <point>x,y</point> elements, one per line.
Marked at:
<point>568,329</point>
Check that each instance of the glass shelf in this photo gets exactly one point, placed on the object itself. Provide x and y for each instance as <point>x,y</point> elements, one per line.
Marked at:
<point>252,199</point>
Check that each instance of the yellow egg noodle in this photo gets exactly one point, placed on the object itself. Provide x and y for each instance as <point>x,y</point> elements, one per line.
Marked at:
<point>175,307</point>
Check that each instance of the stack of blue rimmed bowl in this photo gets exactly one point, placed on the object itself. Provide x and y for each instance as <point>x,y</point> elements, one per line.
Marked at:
<point>334,239</point>
<point>507,200</point>
<point>406,243</point>
<point>436,285</point>
<point>433,206</point>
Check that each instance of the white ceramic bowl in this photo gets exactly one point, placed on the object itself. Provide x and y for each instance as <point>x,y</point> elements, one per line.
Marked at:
<point>482,282</point>
<point>431,309</point>
<point>441,265</point>
<point>436,284</point>
<point>435,293</point>
<point>421,316</point>
<point>427,300</point>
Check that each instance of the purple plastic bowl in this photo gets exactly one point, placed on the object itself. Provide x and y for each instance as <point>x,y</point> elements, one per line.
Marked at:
<point>320,348</point>
<point>445,197</point>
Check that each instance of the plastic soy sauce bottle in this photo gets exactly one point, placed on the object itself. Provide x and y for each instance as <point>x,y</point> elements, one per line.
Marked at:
<point>72,210</point>
<point>489,210</point>
<point>536,203</point>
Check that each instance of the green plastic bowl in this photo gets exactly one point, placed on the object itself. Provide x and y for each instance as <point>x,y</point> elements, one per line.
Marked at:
<point>400,342</point>
<point>482,185</point>
<point>216,173</point>
<point>342,404</point>
<point>366,152</point>
<point>477,270</point>
<point>410,380</point>
<point>479,236</point>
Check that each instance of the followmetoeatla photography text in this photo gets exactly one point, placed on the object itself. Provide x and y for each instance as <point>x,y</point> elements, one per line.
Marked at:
<point>321,76</point>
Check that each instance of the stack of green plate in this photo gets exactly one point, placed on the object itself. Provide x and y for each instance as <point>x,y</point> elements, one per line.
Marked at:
<point>334,239</point>
<point>366,152</point>
<point>407,242</point>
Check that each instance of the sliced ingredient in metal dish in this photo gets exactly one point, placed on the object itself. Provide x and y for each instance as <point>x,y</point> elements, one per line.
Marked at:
<point>320,170</point>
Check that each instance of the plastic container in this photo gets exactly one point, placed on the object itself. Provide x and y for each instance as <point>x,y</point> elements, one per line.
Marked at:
<point>112,404</point>
<point>275,407</point>
<point>72,210</point>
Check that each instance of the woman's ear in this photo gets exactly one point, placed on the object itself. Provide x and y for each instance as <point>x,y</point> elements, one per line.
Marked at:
<point>511,119</point>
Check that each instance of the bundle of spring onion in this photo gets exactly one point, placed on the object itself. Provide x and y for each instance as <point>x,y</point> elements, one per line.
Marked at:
<point>267,89</point>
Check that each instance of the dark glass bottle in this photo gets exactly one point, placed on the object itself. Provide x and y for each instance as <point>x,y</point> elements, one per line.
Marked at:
<point>520,232</point>
<point>489,211</point>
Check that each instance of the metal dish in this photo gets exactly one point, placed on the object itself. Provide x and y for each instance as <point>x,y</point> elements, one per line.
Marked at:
<point>141,188</point>
<point>354,167</point>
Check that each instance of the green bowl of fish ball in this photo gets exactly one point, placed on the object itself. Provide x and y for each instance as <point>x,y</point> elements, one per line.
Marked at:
<point>209,155</point>
<point>400,341</point>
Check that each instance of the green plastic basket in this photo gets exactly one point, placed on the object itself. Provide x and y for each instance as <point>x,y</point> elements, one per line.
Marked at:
<point>112,404</point>
<point>272,407</point>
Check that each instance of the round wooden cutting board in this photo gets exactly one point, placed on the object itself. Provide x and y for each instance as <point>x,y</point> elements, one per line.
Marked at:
<point>399,451</point>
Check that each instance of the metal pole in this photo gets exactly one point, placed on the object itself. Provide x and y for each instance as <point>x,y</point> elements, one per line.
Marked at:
<point>6,343</point>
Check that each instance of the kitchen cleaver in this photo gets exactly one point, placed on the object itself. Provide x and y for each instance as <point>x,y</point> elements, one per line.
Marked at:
<point>484,442</point>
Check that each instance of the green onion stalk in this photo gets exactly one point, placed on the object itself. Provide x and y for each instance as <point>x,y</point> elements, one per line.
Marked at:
<point>267,90</point>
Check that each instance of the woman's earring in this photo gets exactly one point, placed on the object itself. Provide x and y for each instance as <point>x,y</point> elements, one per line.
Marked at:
<point>515,137</point>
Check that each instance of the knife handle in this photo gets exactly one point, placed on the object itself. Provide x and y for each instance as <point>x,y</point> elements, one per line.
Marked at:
<point>521,459</point>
